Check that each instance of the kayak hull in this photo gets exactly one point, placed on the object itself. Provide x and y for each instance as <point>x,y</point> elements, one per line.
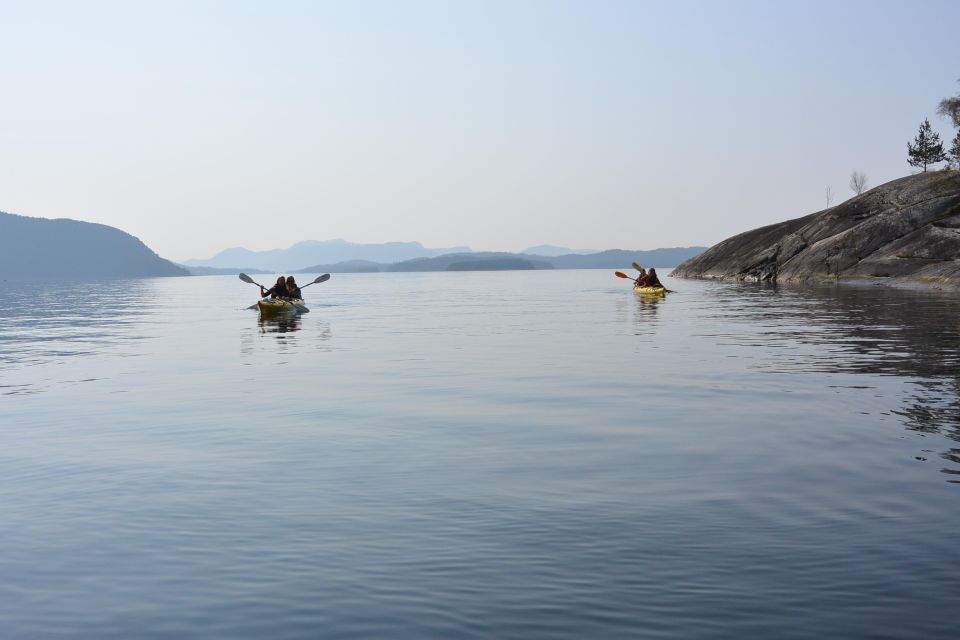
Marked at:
<point>650,291</point>
<point>282,307</point>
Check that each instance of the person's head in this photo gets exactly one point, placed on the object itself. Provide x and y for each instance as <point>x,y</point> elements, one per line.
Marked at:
<point>291,282</point>
<point>280,281</point>
<point>652,272</point>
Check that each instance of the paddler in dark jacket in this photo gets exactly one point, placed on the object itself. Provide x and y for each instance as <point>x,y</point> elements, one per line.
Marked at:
<point>292,289</point>
<point>652,279</point>
<point>278,290</point>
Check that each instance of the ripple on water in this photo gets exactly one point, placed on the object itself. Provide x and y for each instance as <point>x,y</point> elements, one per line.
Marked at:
<point>475,456</point>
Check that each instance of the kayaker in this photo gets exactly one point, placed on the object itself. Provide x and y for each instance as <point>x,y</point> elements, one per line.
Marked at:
<point>641,280</point>
<point>652,279</point>
<point>278,290</point>
<point>292,289</point>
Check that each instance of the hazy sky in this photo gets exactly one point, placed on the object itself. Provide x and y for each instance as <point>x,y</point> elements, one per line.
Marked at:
<point>198,126</point>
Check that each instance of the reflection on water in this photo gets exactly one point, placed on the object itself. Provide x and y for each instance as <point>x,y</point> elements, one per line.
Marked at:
<point>280,324</point>
<point>858,330</point>
<point>871,331</point>
<point>864,329</point>
<point>54,322</point>
<point>640,310</point>
<point>647,306</point>
<point>544,456</point>
<point>934,408</point>
<point>47,319</point>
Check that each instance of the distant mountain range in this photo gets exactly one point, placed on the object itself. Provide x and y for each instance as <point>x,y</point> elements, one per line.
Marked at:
<point>498,261</point>
<point>340,256</point>
<point>43,248</point>
<point>62,248</point>
<point>311,252</point>
<point>553,250</point>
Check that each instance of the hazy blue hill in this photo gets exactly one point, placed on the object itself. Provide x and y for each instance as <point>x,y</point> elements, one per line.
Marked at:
<point>659,258</point>
<point>550,250</point>
<point>217,271</point>
<point>479,261</point>
<point>498,264</point>
<point>61,248</point>
<point>315,252</point>
<point>502,261</point>
<point>347,266</point>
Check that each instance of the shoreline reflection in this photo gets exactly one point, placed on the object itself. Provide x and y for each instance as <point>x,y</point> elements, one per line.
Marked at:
<point>856,330</point>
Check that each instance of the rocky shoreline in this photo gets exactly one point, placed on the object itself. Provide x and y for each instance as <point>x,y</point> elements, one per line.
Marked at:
<point>902,233</point>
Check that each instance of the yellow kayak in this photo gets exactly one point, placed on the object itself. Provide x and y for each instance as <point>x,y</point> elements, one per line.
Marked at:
<point>280,305</point>
<point>650,291</point>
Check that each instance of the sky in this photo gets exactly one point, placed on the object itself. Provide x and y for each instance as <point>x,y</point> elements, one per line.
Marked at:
<point>198,126</point>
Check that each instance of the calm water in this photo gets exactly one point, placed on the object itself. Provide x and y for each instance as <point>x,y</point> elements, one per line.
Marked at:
<point>478,455</point>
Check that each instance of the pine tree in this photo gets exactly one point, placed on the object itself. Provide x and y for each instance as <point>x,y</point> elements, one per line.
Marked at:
<point>926,148</point>
<point>955,152</point>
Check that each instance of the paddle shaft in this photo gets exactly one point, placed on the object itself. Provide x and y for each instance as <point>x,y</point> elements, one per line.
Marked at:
<point>322,278</point>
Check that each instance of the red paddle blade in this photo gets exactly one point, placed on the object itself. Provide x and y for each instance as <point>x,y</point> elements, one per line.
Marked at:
<point>620,274</point>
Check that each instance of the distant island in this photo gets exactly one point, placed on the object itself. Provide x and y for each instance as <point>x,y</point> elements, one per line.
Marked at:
<point>553,250</point>
<point>502,261</point>
<point>904,232</point>
<point>314,251</point>
<point>61,248</point>
<point>340,256</point>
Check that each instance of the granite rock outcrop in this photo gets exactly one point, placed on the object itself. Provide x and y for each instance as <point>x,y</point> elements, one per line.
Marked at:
<point>904,232</point>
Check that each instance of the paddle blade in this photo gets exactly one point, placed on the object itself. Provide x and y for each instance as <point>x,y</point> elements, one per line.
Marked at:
<point>637,267</point>
<point>322,278</point>
<point>621,274</point>
<point>247,278</point>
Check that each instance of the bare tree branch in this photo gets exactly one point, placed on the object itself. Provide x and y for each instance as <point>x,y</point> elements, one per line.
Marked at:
<point>950,108</point>
<point>858,182</point>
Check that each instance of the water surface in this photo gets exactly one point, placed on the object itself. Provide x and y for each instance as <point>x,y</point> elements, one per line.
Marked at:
<point>477,455</point>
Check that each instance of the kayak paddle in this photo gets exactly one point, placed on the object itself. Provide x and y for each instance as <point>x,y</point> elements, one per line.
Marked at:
<point>637,267</point>
<point>248,279</point>
<point>322,278</point>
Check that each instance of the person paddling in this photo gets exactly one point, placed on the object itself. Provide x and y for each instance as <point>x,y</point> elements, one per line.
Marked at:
<point>641,280</point>
<point>653,280</point>
<point>278,290</point>
<point>292,289</point>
